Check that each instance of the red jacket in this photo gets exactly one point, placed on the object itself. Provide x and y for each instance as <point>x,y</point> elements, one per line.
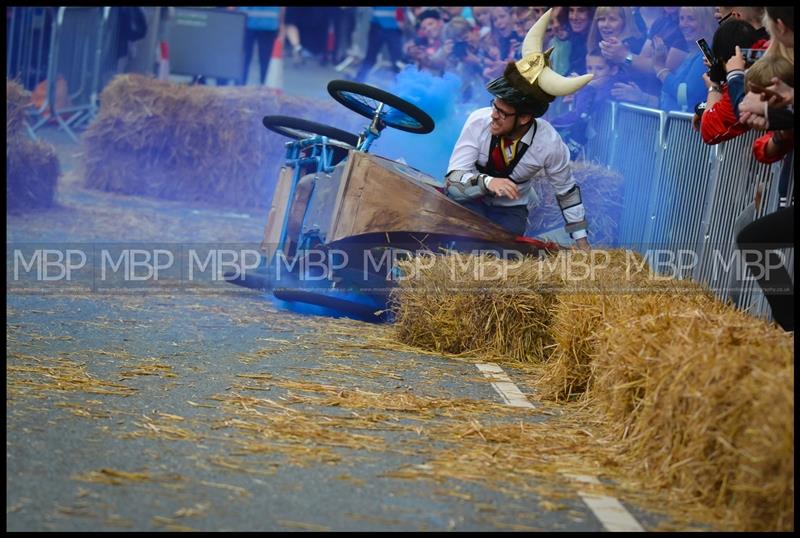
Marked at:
<point>760,148</point>
<point>719,123</point>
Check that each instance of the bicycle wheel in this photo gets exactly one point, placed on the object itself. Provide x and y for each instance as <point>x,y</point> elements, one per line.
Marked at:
<point>365,99</point>
<point>299,129</point>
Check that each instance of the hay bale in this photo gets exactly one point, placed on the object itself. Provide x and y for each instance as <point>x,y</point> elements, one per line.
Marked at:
<point>455,303</point>
<point>17,100</point>
<point>194,143</point>
<point>702,397</point>
<point>32,167</point>
<point>600,191</point>
<point>445,306</point>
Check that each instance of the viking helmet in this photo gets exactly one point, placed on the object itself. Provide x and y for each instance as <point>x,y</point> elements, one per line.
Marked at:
<point>529,83</point>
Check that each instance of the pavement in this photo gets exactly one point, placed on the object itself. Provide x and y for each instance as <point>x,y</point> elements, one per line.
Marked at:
<point>212,409</point>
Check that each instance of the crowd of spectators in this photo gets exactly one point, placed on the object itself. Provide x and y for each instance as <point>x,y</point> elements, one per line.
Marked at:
<point>642,55</point>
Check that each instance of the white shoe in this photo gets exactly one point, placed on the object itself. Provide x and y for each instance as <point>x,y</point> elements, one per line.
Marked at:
<point>344,64</point>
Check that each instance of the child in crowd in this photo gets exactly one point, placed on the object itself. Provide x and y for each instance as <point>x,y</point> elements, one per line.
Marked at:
<point>572,124</point>
<point>773,145</point>
<point>483,18</point>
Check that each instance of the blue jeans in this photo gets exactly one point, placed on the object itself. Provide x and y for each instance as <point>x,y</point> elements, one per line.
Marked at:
<point>514,218</point>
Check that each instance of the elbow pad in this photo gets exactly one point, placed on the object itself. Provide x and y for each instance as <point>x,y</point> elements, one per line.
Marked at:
<point>569,199</point>
<point>463,186</point>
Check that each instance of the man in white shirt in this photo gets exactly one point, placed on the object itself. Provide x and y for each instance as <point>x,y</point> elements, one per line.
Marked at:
<point>502,147</point>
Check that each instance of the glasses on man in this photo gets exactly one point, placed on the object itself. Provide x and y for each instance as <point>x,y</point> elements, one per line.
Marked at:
<point>503,115</point>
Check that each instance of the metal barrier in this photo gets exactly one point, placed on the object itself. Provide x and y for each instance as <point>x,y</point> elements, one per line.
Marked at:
<point>28,45</point>
<point>683,195</point>
<point>600,135</point>
<point>67,43</point>
<point>642,137</point>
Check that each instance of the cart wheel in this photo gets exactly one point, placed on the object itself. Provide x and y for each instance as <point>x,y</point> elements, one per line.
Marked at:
<point>365,99</point>
<point>299,129</point>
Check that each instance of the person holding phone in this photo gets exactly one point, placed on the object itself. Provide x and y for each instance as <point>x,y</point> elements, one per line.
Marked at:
<point>717,121</point>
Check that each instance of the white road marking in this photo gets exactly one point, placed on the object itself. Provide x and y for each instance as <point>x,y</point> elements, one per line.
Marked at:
<point>613,516</point>
<point>608,510</point>
<point>508,391</point>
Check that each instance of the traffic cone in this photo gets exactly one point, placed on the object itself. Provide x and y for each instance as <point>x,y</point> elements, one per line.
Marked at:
<point>330,45</point>
<point>163,62</point>
<point>275,70</point>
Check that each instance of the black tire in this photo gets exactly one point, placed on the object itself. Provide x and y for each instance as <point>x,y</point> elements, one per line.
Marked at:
<point>298,129</point>
<point>364,99</point>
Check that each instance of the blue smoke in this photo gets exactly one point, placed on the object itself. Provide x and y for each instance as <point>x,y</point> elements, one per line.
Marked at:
<point>438,96</point>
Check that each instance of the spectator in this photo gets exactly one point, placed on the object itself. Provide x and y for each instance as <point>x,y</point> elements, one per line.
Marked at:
<point>462,45</point>
<point>722,13</point>
<point>524,19</point>
<point>293,17</point>
<point>775,230</point>
<point>131,27</point>
<point>774,145</point>
<point>683,89</point>
<point>754,16</point>
<point>384,30</point>
<point>660,26</point>
<point>427,50</point>
<point>451,12</point>
<point>580,22</point>
<point>616,34</point>
<point>572,125</point>
<point>719,122</point>
<point>483,18</point>
<point>357,50</point>
<point>261,29</point>
<point>559,40</point>
<point>504,39</point>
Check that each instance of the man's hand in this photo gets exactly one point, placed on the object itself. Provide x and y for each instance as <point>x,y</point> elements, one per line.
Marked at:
<point>501,186</point>
<point>582,244</point>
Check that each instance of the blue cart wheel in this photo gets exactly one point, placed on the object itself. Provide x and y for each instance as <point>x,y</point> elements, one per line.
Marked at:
<point>299,129</point>
<point>365,99</point>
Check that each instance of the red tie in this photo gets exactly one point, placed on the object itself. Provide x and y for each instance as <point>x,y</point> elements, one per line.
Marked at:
<point>498,163</point>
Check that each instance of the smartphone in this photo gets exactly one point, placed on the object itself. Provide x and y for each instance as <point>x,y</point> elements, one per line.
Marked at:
<point>706,50</point>
<point>751,55</point>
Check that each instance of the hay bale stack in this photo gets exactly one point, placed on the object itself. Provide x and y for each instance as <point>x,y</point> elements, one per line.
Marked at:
<point>444,305</point>
<point>703,398</point>
<point>194,143</point>
<point>699,395</point>
<point>600,191</point>
<point>32,167</point>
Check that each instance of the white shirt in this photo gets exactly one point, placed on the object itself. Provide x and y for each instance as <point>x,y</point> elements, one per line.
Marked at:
<point>546,155</point>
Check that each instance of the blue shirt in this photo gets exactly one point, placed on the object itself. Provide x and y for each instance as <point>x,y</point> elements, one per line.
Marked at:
<point>690,73</point>
<point>386,17</point>
<point>262,18</point>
